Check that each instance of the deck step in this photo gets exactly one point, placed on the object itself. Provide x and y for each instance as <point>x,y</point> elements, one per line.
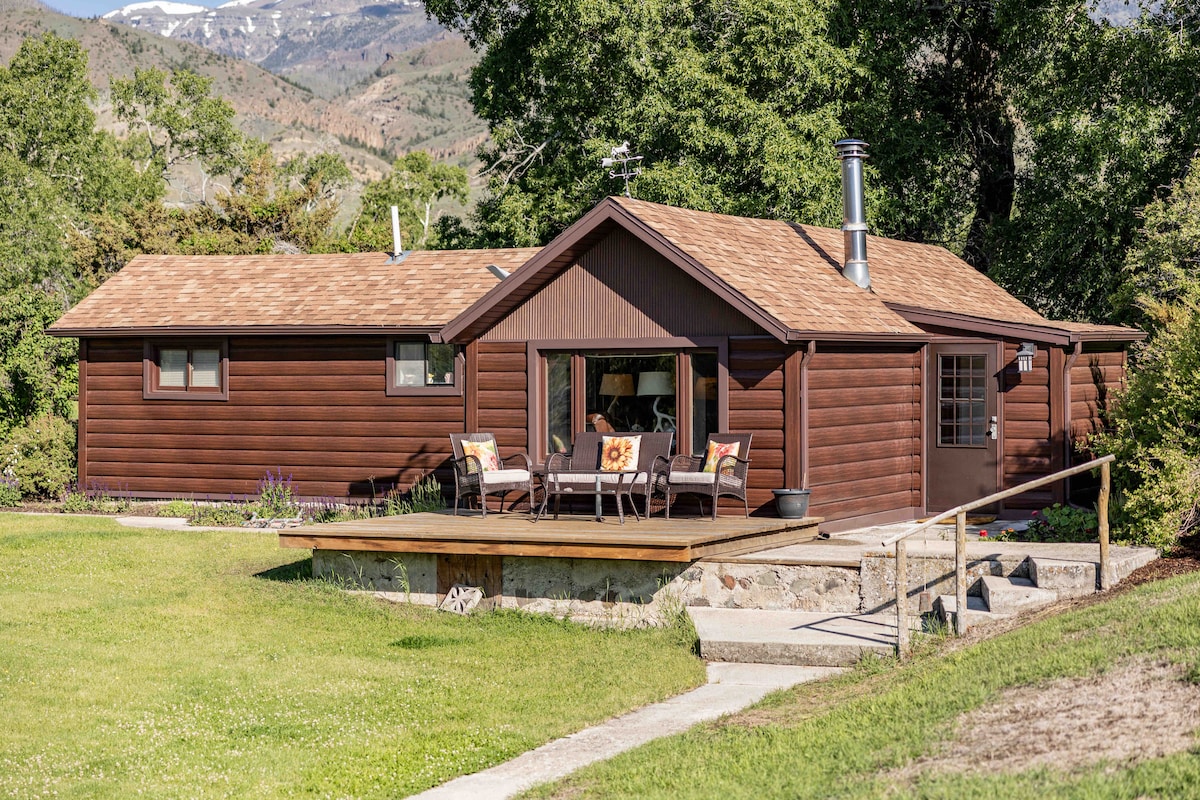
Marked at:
<point>1013,595</point>
<point>945,607</point>
<point>1065,578</point>
<point>810,639</point>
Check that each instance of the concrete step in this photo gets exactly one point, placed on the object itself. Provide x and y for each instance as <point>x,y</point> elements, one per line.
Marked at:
<point>945,608</point>
<point>1064,578</point>
<point>1013,595</point>
<point>811,639</point>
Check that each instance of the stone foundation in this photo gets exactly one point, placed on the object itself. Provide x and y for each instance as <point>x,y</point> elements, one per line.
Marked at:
<point>606,591</point>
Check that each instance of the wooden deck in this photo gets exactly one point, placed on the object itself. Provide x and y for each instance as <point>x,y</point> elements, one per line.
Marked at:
<point>515,534</point>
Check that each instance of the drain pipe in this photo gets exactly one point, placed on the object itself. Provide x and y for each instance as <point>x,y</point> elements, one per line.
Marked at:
<point>851,153</point>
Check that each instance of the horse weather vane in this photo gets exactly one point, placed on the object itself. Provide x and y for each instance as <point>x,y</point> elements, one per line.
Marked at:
<point>622,165</point>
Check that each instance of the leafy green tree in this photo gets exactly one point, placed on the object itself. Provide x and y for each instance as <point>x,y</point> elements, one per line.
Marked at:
<point>45,116</point>
<point>38,372</point>
<point>178,121</point>
<point>734,104</point>
<point>1162,269</point>
<point>416,185</point>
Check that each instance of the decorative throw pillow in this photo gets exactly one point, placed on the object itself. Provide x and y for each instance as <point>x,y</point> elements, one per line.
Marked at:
<point>619,452</point>
<point>718,451</point>
<point>485,452</point>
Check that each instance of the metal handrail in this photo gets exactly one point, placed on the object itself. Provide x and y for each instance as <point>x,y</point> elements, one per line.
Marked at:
<point>960,547</point>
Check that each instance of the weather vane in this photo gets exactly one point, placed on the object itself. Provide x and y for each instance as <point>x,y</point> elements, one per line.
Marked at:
<point>622,165</point>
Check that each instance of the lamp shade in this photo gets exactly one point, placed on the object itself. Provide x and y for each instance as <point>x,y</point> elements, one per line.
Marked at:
<point>655,384</point>
<point>616,385</point>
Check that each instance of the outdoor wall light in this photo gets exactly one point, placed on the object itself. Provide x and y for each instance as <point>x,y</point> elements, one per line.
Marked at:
<point>1025,354</point>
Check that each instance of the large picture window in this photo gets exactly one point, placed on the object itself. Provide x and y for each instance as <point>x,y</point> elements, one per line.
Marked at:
<point>422,367</point>
<point>631,391</point>
<point>185,370</point>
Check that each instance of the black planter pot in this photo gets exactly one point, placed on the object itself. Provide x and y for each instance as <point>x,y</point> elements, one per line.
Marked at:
<point>791,503</point>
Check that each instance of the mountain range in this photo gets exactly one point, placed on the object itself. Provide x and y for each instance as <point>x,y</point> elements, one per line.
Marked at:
<point>369,80</point>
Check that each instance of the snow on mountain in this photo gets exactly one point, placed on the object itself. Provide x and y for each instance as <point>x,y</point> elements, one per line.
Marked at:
<point>161,6</point>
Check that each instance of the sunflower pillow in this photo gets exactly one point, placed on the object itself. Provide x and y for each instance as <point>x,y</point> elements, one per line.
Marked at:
<point>489,460</point>
<point>619,453</point>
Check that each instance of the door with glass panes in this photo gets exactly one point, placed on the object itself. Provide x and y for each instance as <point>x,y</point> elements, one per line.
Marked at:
<point>963,436</point>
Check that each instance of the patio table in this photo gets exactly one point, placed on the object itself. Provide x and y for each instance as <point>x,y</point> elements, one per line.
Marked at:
<point>552,485</point>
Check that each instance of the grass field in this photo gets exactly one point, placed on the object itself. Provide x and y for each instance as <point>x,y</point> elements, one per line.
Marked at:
<point>859,736</point>
<point>204,664</point>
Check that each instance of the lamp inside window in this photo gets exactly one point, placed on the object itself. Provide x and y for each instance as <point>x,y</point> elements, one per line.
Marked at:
<point>1025,355</point>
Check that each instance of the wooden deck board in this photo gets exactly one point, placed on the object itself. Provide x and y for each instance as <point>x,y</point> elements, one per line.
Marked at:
<point>515,534</point>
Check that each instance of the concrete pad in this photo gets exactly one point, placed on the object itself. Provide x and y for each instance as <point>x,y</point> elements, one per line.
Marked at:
<point>1013,595</point>
<point>731,688</point>
<point>792,637</point>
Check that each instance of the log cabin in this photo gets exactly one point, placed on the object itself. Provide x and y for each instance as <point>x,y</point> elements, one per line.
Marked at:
<point>890,378</point>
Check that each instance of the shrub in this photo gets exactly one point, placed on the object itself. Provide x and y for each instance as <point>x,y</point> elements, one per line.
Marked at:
<point>10,492</point>
<point>275,497</point>
<point>1060,523</point>
<point>1156,438</point>
<point>40,455</point>
<point>176,508</point>
<point>218,515</point>
<point>424,495</point>
<point>97,499</point>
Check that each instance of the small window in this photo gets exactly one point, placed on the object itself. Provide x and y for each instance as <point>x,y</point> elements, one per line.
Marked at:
<point>185,370</point>
<point>962,403</point>
<point>415,367</point>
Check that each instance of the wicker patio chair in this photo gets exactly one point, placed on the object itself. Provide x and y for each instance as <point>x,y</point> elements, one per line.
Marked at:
<point>474,477</point>
<point>585,455</point>
<point>726,477</point>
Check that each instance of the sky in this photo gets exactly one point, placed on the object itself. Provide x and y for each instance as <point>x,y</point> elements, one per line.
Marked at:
<point>94,8</point>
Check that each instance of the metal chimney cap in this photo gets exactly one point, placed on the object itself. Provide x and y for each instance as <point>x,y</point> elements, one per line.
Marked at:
<point>851,148</point>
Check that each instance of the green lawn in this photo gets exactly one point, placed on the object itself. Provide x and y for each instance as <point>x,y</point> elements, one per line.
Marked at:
<point>205,664</point>
<point>848,737</point>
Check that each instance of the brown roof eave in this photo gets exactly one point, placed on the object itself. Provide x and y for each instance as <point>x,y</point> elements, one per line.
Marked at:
<point>245,330</point>
<point>608,210</point>
<point>902,337</point>
<point>1046,332</point>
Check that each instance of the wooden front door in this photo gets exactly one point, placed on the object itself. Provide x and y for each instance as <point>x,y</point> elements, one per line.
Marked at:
<point>963,436</point>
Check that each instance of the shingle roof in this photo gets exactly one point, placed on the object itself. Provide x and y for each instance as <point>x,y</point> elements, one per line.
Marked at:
<point>361,290</point>
<point>793,272</point>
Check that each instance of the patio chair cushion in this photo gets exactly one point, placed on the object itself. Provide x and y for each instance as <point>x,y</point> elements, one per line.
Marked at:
<point>702,479</point>
<point>489,459</point>
<point>494,476</point>
<point>717,451</point>
<point>619,452</point>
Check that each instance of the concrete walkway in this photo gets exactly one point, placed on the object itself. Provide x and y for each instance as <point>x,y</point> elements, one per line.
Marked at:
<point>730,688</point>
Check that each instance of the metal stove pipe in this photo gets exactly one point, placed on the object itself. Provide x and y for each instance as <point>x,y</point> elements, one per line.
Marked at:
<point>851,153</point>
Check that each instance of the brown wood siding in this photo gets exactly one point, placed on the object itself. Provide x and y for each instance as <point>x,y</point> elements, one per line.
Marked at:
<point>864,431</point>
<point>314,408</point>
<point>501,394</point>
<point>756,405</point>
<point>1097,376</point>
<point>620,288</point>
<point>1029,448</point>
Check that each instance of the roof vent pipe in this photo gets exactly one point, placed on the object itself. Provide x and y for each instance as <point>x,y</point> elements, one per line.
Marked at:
<point>851,153</point>
<point>396,248</point>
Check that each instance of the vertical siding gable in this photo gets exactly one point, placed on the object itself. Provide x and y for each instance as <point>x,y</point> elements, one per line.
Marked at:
<point>621,288</point>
